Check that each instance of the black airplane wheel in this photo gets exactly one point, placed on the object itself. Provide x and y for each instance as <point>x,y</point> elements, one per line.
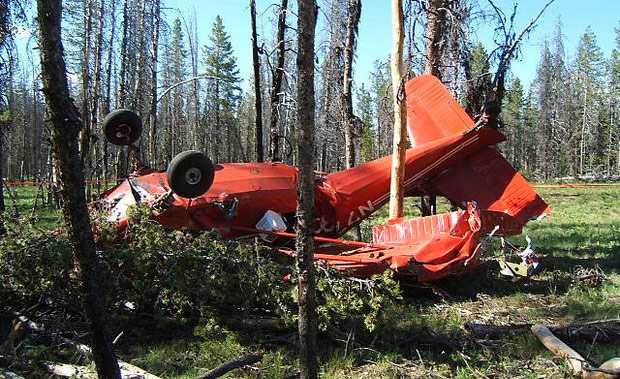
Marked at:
<point>122,127</point>
<point>190,174</point>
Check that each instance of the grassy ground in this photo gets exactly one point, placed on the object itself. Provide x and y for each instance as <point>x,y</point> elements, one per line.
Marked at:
<point>424,336</point>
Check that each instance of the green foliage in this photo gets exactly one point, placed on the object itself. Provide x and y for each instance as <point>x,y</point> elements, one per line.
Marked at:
<point>36,268</point>
<point>220,62</point>
<point>366,114</point>
<point>345,302</point>
<point>183,273</point>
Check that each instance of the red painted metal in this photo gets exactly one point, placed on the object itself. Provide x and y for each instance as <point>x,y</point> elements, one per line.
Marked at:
<point>449,158</point>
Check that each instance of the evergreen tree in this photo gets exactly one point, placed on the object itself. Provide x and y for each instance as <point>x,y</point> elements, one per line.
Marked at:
<point>173,105</point>
<point>381,89</point>
<point>479,80</point>
<point>544,92</point>
<point>224,91</point>
<point>366,114</point>
<point>512,116</point>
<point>614,106</point>
<point>589,69</point>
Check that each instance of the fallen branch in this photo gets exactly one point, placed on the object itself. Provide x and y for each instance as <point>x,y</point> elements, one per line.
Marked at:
<point>236,363</point>
<point>128,371</point>
<point>578,365</point>
<point>9,375</point>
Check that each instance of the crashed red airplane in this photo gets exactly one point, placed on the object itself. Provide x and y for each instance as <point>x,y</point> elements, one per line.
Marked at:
<point>451,157</point>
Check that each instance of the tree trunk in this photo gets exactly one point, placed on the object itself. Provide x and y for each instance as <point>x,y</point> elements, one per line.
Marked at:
<point>582,148</point>
<point>105,107</point>
<point>306,23</point>
<point>399,144</point>
<point>122,91</point>
<point>66,124</point>
<point>94,107</point>
<point>435,29</point>
<point>258,121</point>
<point>355,10</point>
<point>276,88</point>
<point>153,108</point>
<point>86,46</point>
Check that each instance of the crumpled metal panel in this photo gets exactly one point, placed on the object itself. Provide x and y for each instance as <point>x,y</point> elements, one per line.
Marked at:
<point>426,248</point>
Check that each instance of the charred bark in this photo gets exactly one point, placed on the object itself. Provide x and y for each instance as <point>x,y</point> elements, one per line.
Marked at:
<point>305,211</point>
<point>153,106</point>
<point>355,11</point>
<point>258,121</point>
<point>435,33</point>
<point>66,123</point>
<point>276,88</point>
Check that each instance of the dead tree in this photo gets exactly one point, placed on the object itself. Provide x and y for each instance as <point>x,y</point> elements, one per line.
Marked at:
<point>153,105</point>
<point>86,47</point>
<point>400,132</point>
<point>306,24</point>
<point>65,127</point>
<point>94,107</point>
<point>106,105</point>
<point>353,19</point>
<point>505,51</point>
<point>436,24</point>
<point>276,87</point>
<point>258,121</point>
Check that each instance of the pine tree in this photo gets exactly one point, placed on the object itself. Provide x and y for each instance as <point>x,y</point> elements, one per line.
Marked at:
<point>224,94</point>
<point>512,116</point>
<point>173,106</point>
<point>479,80</point>
<point>589,69</point>
<point>366,115</point>
<point>614,104</point>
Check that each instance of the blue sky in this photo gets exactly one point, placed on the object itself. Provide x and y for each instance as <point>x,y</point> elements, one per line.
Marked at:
<point>375,27</point>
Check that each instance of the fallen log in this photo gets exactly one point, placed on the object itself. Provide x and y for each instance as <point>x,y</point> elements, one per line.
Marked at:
<point>578,364</point>
<point>236,363</point>
<point>600,330</point>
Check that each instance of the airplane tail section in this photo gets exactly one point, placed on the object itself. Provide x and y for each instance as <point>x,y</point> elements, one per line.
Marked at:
<point>432,111</point>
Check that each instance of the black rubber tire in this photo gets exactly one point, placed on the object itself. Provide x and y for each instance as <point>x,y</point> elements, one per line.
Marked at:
<point>122,127</point>
<point>190,174</point>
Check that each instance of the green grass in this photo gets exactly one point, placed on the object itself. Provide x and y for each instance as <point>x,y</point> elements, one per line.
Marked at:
<point>21,208</point>
<point>424,336</point>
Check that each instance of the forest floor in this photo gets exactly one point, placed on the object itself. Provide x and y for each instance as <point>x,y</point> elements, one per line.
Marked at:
<point>424,335</point>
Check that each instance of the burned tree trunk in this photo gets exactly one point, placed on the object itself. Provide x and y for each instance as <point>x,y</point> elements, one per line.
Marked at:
<point>305,211</point>
<point>105,107</point>
<point>86,46</point>
<point>435,31</point>
<point>66,124</point>
<point>276,88</point>
<point>153,105</point>
<point>355,10</point>
<point>258,121</point>
<point>122,91</point>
